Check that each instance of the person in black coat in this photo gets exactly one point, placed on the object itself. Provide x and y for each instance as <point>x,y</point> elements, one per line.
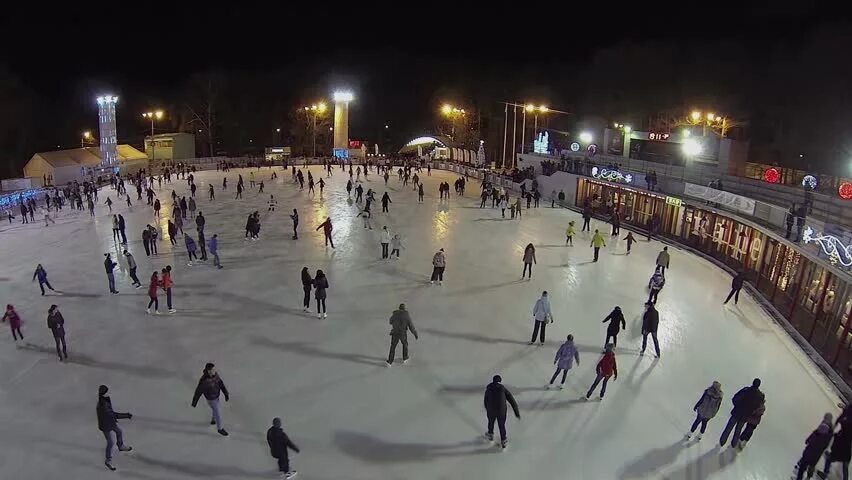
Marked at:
<point>616,323</point>
<point>746,401</point>
<point>650,322</point>
<point>736,286</point>
<point>496,397</point>
<point>108,423</point>
<point>146,241</point>
<point>307,284</point>
<point>210,385</point>
<point>815,445</point>
<point>279,446</point>
<point>841,448</point>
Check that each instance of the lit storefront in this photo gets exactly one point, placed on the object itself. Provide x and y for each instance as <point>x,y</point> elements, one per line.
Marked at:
<point>814,296</point>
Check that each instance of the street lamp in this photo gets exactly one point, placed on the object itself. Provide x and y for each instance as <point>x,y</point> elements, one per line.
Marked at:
<point>452,113</point>
<point>320,108</point>
<point>586,137</point>
<point>692,147</point>
<point>530,108</point>
<point>153,115</point>
<point>87,136</point>
<point>710,119</point>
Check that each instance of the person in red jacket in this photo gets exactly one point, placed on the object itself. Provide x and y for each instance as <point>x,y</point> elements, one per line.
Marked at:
<point>606,368</point>
<point>326,229</point>
<point>152,294</point>
<point>14,322</point>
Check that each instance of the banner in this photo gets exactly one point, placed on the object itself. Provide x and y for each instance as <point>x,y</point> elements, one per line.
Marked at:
<point>726,199</point>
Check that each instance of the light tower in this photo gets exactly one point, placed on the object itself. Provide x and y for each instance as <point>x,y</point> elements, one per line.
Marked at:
<point>341,121</point>
<point>106,125</point>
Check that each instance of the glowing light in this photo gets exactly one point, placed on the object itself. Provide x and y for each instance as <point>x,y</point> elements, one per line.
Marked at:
<point>543,109</point>
<point>586,137</point>
<point>540,144</point>
<point>611,175</point>
<point>692,147</point>
<point>845,190</point>
<point>771,175</point>
<point>696,115</point>
<point>104,99</point>
<point>686,132</point>
<point>809,181</point>
<point>343,96</point>
<point>424,141</point>
<point>321,107</point>
<point>446,109</point>
<point>87,134</point>
<point>627,129</point>
<point>831,246</point>
<point>711,116</point>
<point>529,108</point>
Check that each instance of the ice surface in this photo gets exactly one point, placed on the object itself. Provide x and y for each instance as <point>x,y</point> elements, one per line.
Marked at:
<point>352,417</point>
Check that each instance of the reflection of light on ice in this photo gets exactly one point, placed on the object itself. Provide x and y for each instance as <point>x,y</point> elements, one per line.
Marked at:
<point>831,246</point>
<point>440,227</point>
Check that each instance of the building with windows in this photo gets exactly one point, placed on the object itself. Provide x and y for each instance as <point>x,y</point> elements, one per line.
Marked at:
<point>166,148</point>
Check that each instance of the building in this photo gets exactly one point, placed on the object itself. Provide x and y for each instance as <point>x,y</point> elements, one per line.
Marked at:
<point>62,166</point>
<point>169,147</point>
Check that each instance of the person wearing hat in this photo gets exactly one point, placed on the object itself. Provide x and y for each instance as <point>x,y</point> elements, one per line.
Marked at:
<point>706,408</point>
<point>607,367</point>
<point>56,324</point>
<point>211,386</point>
<point>108,423</point>
<point>816,443</point>
<point>279,444</point>
<point>401,323</point>
<point>496,397</point>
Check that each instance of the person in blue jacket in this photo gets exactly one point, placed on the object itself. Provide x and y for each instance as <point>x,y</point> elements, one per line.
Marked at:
<point>564,360</point>
<point>41,274</point>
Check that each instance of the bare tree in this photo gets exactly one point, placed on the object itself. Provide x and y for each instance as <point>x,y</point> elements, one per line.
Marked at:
<point>203,97</point>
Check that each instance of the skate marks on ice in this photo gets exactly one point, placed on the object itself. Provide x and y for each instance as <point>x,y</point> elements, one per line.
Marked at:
<point>379,451</point>
<point>309,350</point>
<point>655,461</point>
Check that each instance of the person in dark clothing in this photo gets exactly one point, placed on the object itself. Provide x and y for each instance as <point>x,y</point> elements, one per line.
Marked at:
<point>587,217</point>
<point>326,230</point>
<point>41,274</point>
<point>56,324</point>
<point>210,385</point>
<point>385,201</point>
<point>401,323</point>
<point>496,397</point>
<point>200,221</point>
<point>746,401</point>
<point>121,227</point>
<point>108,424</point>
<point>815,445</point>
<point>146,241</point>
<point>736,286</point>
<point>307,284</point>
<point>789,220</point>
<point>616,323</point>
<point>650,322</point>
<point>321,285</point>
<point>109,266</point>
<point>279,446</point>
<point>295,218</point>
<point>841,450</point>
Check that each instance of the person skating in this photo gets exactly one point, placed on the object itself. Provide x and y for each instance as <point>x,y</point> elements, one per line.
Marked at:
<point>108,203</point>
<point>157,208</point>
<point>529,260</point>
<point>542,315</point>
<point>295,218</point>
<point>607,367</point>
<point>131,266</point>
<point>108,424</point>
<point>439,263</point>
<point>816,443</point>
<point>420,193</point>
<point>736,286</point>
<point>211,386</point>
<point>385,201</point>
<point>569,234</point>
<point>109,266</point>
<point>495,400</point>
<point>566,355</point>
<point>401,323</point>
<point>396,246</point>
<point>327,228</point>
<point>656,284</point>
<point>190,248</point>
<point>146,241</point>
<point>320,287</point>
<point>239,191</point>
<point>745,402</point>
<point>271,204</point>
<point>172,230</point>
<point>115,228</point>
<point>597,242</point>
<point>307,285</point>
<point>587,217</point>
<point>41,274</point>
<point>279,446</point>
<point>504,204</point>
<point>841,450</point>
<point>616,323</point>
<point>167,285</point>
<point>56,324</point>
<point>202,245</point>
<point>386,238</point>
<point>211,194</point>
<point>630,241</point>
<point>650,323</point>
<point>213,246</point>
<point>14,322</point>
<point>349,189</point>
<point>200,221</point>
<point>365,215</point>
<point>663,260</point>
<point>153,287</point>
<point>321,184</point>
<point>751,425</point>
<point>153,237</point>
<point>706,408</point>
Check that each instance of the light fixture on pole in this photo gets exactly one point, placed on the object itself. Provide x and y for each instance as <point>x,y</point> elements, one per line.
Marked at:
<point>153,115</point>
<point>710,120</point>
<point>452,113</point>
<point>87,136</point>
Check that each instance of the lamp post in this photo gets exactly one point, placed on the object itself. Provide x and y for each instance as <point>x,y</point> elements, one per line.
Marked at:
<point>710,119</point>
<point>313,111</point>
<point>529,108</point>
<point>452,113</point>
<point>152,116</point>
<point>87,136</point>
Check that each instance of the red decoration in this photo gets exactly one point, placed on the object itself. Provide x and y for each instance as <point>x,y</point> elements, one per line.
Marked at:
<point>771,175</point>
<point>845,190</point>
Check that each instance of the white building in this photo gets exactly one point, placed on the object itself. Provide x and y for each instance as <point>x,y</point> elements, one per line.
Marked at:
<point>62,166</point>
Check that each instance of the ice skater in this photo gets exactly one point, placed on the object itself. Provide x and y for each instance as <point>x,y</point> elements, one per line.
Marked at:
<point>745,402</point>
<point>616,323</point>
<point>167,285</point>
<point>607,367</point>
<point>569,234</point>
<point>396,245</point>
<point>751,425</point>
<point>295,218</point>
<point>131,265</point>
<point>597,242</point>
<point>401,324</point>
<point>663,260</point>
<point>630,241</point>
<point>655,285</point>
<point>41,274</point>
<point>14,322</point>
<point>841,450</point>
<point>109,266</point>
<point>385,240</point>
<point>529,260</point>
<point>386,200</point>
<point>108,424</point>
<point>706,408</point>
<point>736,286</point>
<point>153,287</point>
<point>566,355</point>
<point>327,228</point>
<point>320,287</point>
<point>650,323</point>
<point>541,317</point>
<point>190,248</point>
<point>815,445</point>
<point>56,324</point>
<point>496,398</point>
<point>279,446</point>
<point>211,386</point>
<point>213,246</point>
<point>439,263</point>
<point>307,285</point>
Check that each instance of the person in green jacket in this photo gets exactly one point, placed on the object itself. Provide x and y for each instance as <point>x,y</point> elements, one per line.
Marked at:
<point>597,243</point>
<point>401,323</point>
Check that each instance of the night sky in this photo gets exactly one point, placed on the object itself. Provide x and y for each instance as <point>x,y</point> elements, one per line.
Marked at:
<point>783,70</point>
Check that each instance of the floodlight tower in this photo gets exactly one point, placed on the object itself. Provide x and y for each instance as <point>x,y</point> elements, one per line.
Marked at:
<point>341,119</point>
<point>106,124</point>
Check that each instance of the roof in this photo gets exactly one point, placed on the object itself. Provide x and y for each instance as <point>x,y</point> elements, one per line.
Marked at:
<point>88,156</point>
<point>427,141</point>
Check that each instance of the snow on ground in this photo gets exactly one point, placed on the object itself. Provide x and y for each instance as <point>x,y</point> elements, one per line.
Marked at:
<point>352,417</point>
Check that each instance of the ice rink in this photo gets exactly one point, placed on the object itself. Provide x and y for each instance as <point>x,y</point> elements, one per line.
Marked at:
<point>353,417</point>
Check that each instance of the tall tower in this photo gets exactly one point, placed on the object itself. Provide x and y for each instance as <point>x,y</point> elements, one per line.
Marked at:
<point>106,124</point>
<point>341,121</point>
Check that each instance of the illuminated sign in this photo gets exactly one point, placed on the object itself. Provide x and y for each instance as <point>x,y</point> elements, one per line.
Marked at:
<point>809,181</point>
<point>771,175</point>
<point>540,143</point>
<point>845,190</point>
<point>575,147</point>
<point>832,246</point>
<point>658,136</point>
<point>611,175</point>
<point>354,143</point>
<point>674,201</point>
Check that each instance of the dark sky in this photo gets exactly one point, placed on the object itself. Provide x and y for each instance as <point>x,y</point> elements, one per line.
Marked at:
<point>401,59</point>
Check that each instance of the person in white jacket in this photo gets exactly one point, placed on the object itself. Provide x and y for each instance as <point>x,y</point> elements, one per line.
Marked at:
<point>564,360</point>
<point>439,262</point>
<point>504,204</point>
<point>396,246</point>
<point>542,316</point>
<point>386,238</point>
